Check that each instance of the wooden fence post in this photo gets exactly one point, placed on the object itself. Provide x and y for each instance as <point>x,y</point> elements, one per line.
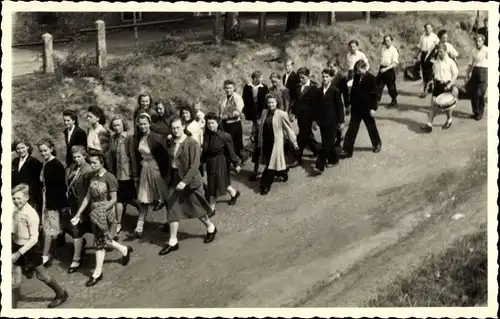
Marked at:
<point>262,25</point>
<point>217,27</point>
<point>48,54</point>
<point>368,17</point>
<point>101,44</point>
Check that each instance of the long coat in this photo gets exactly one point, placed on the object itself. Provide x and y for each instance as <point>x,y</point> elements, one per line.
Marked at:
<point>282,130</point>
<point>189,156</point>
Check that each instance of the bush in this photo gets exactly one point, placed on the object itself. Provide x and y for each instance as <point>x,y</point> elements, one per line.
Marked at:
<point>77,64</point>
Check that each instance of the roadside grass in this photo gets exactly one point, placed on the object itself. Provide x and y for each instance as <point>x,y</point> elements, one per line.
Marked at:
<point>455,278</point>
<point>176,69</point>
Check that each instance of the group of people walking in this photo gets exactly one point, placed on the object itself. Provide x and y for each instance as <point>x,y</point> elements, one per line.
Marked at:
<point>163,161</point>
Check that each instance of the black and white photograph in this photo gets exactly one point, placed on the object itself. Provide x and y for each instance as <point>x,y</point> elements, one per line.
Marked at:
<point>260,161</point>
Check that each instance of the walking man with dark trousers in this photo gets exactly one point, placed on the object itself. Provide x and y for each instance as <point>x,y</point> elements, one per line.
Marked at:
<point>304,109</point>
<point>387,73</point>
<point>364,103</point>
<point>329,116</point>
<point>290,80</point>
<point>477,77</point>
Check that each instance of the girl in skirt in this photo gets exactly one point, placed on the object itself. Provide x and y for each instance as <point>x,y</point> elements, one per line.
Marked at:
<point>101,197</point>
<point>120,156</point>
<point>25,223</point>
<point>55,202</point>
<point>152,164</point>
<point>78,179</point>
<point>218,154</point>
<point>187,199</point>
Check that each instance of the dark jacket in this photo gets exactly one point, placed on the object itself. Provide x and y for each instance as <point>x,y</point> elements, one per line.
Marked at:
<point>30,175</point>
<point>111,155</point>
<point>291,85</point>
<point>483,31</point>
<point>340,81</point>
<point>330,109</point>
<point>364,94</point>
<point>54,175</point>
<point>156,143</point>
<point>79,137</point>
<point>251,110</point>
<point>189,156</point>
<point>79,186</point>
<point>305,104</point>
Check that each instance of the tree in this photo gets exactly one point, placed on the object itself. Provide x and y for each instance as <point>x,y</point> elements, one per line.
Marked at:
<point>231,23</point>
<point>293,20</point>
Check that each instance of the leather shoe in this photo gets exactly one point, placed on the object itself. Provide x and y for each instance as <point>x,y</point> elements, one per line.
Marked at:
<point>159,205</point>
<point>344,154</point>
<point>377,148</point>
<point>168,249</point>
<point>211,214</point>
<point>210,236</point>
<point>233,199</point>
<point>59,300</point>
<point>74,269</point>
<point>93,281</point>
<point>447,125</point>
<point>426,128</point>
<point>126,258</point>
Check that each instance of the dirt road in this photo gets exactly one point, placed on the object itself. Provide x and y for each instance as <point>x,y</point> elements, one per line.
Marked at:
<point>315,241</point>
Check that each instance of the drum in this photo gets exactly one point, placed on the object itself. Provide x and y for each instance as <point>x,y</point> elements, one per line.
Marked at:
<point>445,101</point>
<point>349,83</point>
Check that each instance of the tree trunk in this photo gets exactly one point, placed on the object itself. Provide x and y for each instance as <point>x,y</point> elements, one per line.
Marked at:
<point>293,20</point>
<point>231,21</point>
<point>262,25</point>
<point>216,31</point>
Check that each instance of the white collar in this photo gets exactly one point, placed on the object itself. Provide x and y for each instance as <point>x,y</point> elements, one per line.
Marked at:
<point>307,83</point>
<point>255,86</point>
<point>101,175</point>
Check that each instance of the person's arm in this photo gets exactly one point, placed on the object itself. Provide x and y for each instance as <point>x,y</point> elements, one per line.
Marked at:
<point>344,89</point>
<point>286,100</point>
<point>394,59</point>
<point>112,183</point>
<point>339,106</point>
<point>469,66</point>
<point>83,206</point>
<point>33,224</point>
<point>366,61</point>
<point>134,168</point>
<point>452,52</point>
<point>287,128</point>
<point>228,144</point>
<point>454,72</point>
<point>420,46</point>
<point>374,94</point>
<point>194,161</point>
<point>238,101</point>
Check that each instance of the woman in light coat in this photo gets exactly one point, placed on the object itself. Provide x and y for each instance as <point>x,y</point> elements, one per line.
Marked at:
<point>274,130</point>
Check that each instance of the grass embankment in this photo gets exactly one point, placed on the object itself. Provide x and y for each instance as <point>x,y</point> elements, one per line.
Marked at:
<point>193,70</point>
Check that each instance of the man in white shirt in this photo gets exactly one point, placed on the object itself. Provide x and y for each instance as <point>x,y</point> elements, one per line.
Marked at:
<point>445,74</point>
<point>387,72</point>
<point>450,50</point>
<point>427,42</point>
<point>353,56</point>
<point>477,77</point>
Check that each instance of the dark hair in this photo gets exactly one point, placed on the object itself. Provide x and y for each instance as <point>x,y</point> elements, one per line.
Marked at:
<point>256,75</point>
<point>275,75</point>
<point>353,41</point>
<point>304,71</point>
<point>116,118</point>
<point>480,36</point>
<point>328,71</point>
<point>71,114</point>
<point>143,116</point>
<point>360,64</point>
<point>49,143</point>
<point>24,141</point>
<point>144,95</point>
<point>229,82</point>
<point>273,96</point>
<point>289,60</point>
<point>190,110</point>
<point>98,154</point>
<point>212,116</point>
<point>388,36</point>
<point>441,33</point>
<point>98,112</point>
<point>442,46</point>
<point>175,119</point>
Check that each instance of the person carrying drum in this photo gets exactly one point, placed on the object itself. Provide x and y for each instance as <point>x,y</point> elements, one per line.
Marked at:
<point>427,41</point>
<point>477,77</point>
<point>445,75</point>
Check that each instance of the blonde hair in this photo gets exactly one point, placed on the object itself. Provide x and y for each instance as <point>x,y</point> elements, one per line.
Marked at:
<point>21,188</point>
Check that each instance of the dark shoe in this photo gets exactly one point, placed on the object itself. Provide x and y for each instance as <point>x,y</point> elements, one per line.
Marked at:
<point>93,281</point>
<point>159,205</point>
<point>59,300</point>
<point>264,191</point>
<point>48,264</point>
<point>211,214</point>
<point>426,128</point>
<point>284,178</point>
<point>393,103</point>
<point>344,154</point>
<point>138,235</point>
<point>423,95</point>
<point>252,178</point>
<point>447,125</point>
<point>168,249</point>
<point>233,199</point>
<point>316,171</point>
<point>332,163</point>
<point>28,272</point>
<point>126,258</point>
<point>377,148</point>
<point>74,269</point>
<point>210,236</point>
<point>478,117</point>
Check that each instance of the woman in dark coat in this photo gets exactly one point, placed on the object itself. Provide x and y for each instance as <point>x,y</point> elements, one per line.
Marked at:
<point>218,154</point>
<point>78,183</point>
<point>73,134</point>
<point>55,201</point>
<point>26,170</point>
<point>187,199</point>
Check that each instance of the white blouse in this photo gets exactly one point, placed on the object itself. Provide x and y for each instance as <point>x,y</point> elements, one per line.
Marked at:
<point>479,57</point>
<point>353,58</point>
<point>93,140</point>
<point>445,70</point>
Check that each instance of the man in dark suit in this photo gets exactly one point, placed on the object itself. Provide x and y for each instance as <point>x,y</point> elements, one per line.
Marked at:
<point>304,109</point>
<point>340,82</point>
<point>329,116</point>
<point>291,80</point>
<point>254,97</point>
<point>364,101</point>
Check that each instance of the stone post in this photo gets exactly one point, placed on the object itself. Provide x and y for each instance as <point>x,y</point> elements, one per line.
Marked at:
<point>368,17</point>
<point>101,53</point>
<point>217,26</point>
<point>262,25</point>
<point>48,54</point>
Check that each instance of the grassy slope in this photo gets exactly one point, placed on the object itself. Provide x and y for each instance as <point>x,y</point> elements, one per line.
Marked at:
<point>37,100</point>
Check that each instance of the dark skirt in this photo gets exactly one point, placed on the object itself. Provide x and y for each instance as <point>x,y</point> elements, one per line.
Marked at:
<point>439,88</point>
<point>83,227</point>
<point>126,191</point>
<point>186,204</point>
<point>218,175</point>
<point>236,132</point>
<point>31,259</point>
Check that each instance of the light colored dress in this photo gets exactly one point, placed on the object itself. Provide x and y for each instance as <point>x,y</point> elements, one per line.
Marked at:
<point>151,184</point>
